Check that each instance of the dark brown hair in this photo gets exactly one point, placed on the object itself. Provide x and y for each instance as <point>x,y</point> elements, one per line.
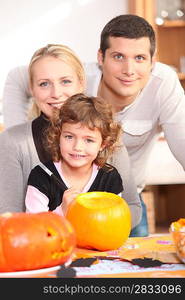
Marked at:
<point>93,112</point>
<point>127,26</point>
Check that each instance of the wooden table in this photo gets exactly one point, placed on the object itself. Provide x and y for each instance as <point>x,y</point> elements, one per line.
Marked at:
<point>119,263</point>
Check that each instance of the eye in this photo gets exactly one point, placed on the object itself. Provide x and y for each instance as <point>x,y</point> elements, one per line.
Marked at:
<point>44,84</point>
<point>140,58</point>
<point>118,56</point>
<point>89,141</point>
<point>66,81</point>
<point>68,137</point>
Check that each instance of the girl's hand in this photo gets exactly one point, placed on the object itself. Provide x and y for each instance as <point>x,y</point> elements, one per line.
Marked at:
<point>68,197</point>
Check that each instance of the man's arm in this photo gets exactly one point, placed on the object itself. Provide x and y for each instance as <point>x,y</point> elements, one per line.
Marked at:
<point>172,118</point>
<point>16,97</point>
<point>121,161</point>
<point>11,175</point>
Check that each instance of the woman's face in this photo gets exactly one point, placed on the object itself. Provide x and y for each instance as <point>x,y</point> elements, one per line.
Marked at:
<point>53,81</point>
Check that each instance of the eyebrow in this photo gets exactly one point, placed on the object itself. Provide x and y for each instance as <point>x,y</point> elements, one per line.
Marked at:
<point>86,136</point>
<point>121,53</point>
<point>63,77</point>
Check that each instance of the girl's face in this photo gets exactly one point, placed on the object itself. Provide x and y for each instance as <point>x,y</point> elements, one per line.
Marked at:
<point>53,82</point>
<point>79,145</point>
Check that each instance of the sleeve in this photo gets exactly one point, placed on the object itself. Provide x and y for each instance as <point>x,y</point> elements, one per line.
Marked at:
<point>120,160</point>
<point>172,116</point>
<point>41,181</point>
<point>16,97</point>
<point>12,190</point>
<point>47,194</point>
<point>35,201</point>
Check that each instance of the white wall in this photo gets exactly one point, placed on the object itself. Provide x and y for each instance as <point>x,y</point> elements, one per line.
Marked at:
<point>28,25</point>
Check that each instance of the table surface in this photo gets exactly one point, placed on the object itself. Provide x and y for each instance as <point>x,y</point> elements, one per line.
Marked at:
<point>134,259</point>
<point>119,263</point>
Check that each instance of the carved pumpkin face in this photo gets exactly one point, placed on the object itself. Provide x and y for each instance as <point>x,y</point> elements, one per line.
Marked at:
<point>101,220</point>
<point>34,241</point>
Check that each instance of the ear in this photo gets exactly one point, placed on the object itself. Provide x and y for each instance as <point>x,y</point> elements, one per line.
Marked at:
<point>154,58</point>
<point>100,57</point>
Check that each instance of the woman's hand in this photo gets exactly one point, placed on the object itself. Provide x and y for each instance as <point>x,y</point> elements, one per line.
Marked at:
<point>68,197</point>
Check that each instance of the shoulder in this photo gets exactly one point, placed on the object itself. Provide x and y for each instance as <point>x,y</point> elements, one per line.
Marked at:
<point>39,170</point>
<point>110,170</point>
<point>17,134</point>
<point>109,179</point>
<point>163,71</point>
<point>39,179</point>
<point>37,175</point>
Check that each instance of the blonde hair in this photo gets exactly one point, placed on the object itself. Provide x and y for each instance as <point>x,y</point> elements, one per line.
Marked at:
<point>93,112</point>
<point>61,52</point>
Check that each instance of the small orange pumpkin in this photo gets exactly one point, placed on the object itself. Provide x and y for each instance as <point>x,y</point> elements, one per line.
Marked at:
<point>101,220</point>
<point>34,241</point>
<point>177,230</point>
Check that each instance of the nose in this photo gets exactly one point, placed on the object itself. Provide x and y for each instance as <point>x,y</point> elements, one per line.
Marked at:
<point>128,67</point>
<point>78,145</point>
<point>56,91</point>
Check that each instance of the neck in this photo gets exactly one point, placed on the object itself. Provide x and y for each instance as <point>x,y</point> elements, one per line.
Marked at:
<point>77,177</point>
<point>118,102</point>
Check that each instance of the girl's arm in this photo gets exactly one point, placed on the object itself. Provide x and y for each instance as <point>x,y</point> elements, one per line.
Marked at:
<point>35,201</point>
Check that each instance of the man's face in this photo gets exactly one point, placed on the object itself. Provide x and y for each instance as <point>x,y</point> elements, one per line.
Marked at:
<point>126,67</point>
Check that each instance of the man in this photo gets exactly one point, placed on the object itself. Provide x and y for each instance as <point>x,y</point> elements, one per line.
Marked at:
<point>146,96</point>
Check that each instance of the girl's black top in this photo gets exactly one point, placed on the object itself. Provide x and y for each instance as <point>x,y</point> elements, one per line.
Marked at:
<point>107,180</point>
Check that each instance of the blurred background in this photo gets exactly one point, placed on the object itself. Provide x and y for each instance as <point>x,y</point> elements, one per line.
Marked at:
<point>28,25</point>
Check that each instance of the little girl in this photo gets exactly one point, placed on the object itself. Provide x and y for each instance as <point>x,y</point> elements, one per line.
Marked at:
<point>81,137</point>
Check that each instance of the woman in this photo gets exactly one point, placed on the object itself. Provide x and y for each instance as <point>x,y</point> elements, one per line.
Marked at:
<point>55,73</point>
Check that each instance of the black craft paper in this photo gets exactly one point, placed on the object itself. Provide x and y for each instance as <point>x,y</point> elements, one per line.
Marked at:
<point>146,262</point>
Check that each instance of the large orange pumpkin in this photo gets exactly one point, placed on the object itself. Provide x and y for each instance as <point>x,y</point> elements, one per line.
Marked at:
<point>101,220</point>
<point>34,241</point>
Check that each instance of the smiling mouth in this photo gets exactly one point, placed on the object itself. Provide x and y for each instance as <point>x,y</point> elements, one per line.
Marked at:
<point>127,82</point>
<point>57,105</point>
<point>76,156</point>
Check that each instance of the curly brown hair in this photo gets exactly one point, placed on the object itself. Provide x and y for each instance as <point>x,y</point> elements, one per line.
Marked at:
<point>93,112</point>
